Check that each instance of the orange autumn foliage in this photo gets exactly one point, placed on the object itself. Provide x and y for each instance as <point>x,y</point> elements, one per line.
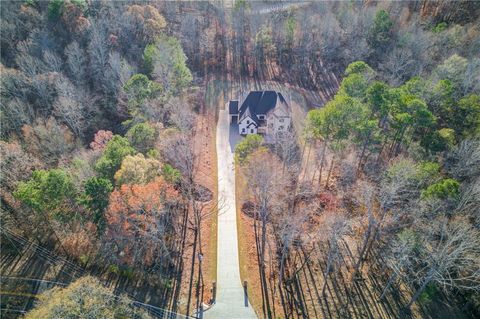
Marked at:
<point>138,221</point>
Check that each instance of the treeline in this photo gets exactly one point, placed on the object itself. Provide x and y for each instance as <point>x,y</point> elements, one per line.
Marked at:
<point>87,297</point>
<point>303,43</point>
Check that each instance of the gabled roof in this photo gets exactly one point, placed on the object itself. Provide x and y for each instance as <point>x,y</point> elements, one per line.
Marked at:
<point>259,102</point>
<point>233,107</point>
<point>249,114</point>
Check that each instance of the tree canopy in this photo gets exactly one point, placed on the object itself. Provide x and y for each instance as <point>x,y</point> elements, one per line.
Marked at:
<point>247,146</point>
<point>113,154</point>
<point>137,170</point>
<point>48,191</point>
<point>165,61</point>
<point>84,298</point>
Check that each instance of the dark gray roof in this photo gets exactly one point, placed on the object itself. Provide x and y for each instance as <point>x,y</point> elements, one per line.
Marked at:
<point>258,102</point>
<point>233,107</point>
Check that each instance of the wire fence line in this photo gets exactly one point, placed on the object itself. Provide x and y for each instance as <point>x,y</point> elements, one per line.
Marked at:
<point>71,270</point>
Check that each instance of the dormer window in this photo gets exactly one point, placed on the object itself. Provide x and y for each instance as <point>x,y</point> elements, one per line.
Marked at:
<point>248,121</point>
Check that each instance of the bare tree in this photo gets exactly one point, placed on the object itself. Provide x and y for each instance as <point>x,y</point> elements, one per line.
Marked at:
<point>181,114</point>
<point>28,64</point>
<point>332,233</point>
<point>72,113</point>
<point>14,114</point>
<point>265,185</point>
<point>469,203</point>
<point>179,150</point>
<point>43,91</point>
<point>53,63</point>
<point>76,63</point>
<point>71,106</point>
<point>286,147</point>
<point>98,52</point>
<point>450,256</point>
<point>16,165</point>
<point>396,197</point>
<point>400,257</point>
<point>288,229</point>
<point>398,65</point>
<point>367,198</point>
<point>464,162</point>
<point>48,139</point>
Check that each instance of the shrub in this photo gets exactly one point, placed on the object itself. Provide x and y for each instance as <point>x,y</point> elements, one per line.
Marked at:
<point>446,189</point>
<point>113,269</point>
<point>171,174</point>
<point>249,144</point>
<point>428,294</point>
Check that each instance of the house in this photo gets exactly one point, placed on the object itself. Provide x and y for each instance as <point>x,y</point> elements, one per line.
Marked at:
<point>261,112</point>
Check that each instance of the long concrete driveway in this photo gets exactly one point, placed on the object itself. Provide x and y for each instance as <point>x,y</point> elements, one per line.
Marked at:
<point>232,302</point>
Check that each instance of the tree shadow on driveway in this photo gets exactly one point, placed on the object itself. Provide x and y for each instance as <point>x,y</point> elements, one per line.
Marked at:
<point>233,137</point>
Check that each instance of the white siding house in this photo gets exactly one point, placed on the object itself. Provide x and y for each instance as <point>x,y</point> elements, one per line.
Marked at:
<point>261,112</point>
<point>247,126</point>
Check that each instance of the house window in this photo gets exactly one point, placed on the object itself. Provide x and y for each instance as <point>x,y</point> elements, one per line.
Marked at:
<point>280,120</point>
<point>251,130</point>
<point>243,130</point>
<point>248,121</point>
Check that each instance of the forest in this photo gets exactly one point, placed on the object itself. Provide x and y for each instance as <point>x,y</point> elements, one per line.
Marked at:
<point>111,182</point>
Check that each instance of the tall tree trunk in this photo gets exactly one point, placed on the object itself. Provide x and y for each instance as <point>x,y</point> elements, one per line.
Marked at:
<point>192,271</point>
<point>399,143</point>
<point>263,277</point>
<point>200,283</point>
<point>327,270</point>
<point>366,240</point>
<point>307,161</point>
<point>362,154</point>
<point>376,231</point>
<point>322,162</point>
<point>390,281</point>
<point>330,171</point>
<point>384,143</point>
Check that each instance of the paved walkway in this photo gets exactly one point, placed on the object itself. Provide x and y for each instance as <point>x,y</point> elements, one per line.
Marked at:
<point>231,299</point>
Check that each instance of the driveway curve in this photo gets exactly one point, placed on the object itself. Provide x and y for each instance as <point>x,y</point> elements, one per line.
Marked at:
<point>231,300</point>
